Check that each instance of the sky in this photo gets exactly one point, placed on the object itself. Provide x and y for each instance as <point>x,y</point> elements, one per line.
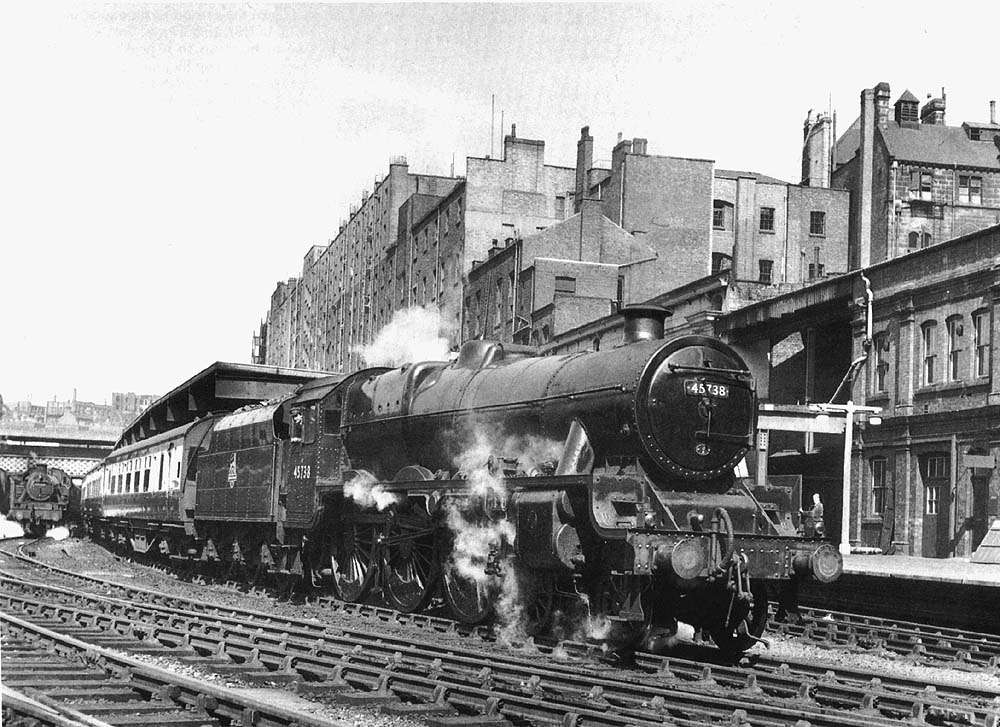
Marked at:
<point>163,166</point>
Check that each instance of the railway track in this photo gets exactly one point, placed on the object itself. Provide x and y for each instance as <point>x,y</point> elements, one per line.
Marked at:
<point>836,630</point>
<point>377,667</point>
<point>56,679</point>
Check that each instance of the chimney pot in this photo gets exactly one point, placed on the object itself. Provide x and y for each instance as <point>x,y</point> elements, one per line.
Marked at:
<point>644,322</point>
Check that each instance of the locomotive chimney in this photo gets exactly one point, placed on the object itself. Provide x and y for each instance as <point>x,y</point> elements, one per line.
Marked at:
<point>644,322</point>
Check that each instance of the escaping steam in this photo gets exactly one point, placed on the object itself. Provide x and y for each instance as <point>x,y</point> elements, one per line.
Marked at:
<point>366,491</point>
<point>484,540</point>
<point>413,334</point>
<point>10,529</point>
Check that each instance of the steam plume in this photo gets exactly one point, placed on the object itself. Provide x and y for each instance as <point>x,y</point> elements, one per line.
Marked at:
<point>413,334</point>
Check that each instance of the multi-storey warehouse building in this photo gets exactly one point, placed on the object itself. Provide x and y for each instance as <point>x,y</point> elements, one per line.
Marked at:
<point>409,243</point>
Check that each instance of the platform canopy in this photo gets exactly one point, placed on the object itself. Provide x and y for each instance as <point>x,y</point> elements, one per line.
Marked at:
<point>222,387</point>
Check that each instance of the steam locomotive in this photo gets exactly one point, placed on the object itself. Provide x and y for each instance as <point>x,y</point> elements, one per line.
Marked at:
<point>39,498</point>
<point>604,478</point>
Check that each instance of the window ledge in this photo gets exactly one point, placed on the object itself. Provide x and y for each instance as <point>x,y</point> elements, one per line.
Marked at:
<point>766,232</point>
<point>881,396</point>
<point>950,386</point>
<point>817,234</point>
<point>872,520</point>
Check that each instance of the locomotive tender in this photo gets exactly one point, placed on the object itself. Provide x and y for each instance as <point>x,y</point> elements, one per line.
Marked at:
<point>362,482</point>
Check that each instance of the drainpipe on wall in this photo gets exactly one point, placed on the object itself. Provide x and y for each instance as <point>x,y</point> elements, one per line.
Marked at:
<point>953,485</point>
<point>784,256</point>
<point>621,194</point>
<point>513,292</point>
<point>869,302</point>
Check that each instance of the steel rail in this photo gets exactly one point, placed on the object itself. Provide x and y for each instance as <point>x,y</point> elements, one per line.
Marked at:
<point>174,689</point>
<point>259,647</point>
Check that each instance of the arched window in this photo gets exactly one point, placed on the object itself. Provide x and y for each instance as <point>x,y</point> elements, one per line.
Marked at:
<point>928,351</point>
<point>925,240</point>
<point>955,333</point>
<point>913,241</point>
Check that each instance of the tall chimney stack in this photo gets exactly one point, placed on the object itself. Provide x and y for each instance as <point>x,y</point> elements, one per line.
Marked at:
<point>993,112</point>
<point>584,161</point>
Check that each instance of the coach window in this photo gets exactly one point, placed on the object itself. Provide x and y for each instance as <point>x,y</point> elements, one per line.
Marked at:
<point>128,482</point>
<point>145,481</point>
<point>159,476</point>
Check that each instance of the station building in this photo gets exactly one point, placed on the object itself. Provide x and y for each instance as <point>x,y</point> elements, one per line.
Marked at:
<point>914,180</point>
<point>924,481</point>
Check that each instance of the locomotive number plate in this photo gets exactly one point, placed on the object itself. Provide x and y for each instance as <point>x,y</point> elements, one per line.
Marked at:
<point>693,387</point>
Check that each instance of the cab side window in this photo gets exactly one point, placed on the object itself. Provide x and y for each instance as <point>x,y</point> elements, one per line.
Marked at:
<point>309,424</point>
<point>331,421</point>
<point>297,425</point>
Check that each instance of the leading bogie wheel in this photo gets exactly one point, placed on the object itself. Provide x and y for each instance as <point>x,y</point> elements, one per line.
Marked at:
<point>469,594</point>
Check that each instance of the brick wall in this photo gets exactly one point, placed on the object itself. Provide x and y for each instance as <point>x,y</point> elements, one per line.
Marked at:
<point>829,248</point>
<point>668,201</point>
<point>950,417</point>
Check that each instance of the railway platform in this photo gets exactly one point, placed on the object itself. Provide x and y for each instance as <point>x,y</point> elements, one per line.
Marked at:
<point>948,592</point>
<point>945,570</point>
